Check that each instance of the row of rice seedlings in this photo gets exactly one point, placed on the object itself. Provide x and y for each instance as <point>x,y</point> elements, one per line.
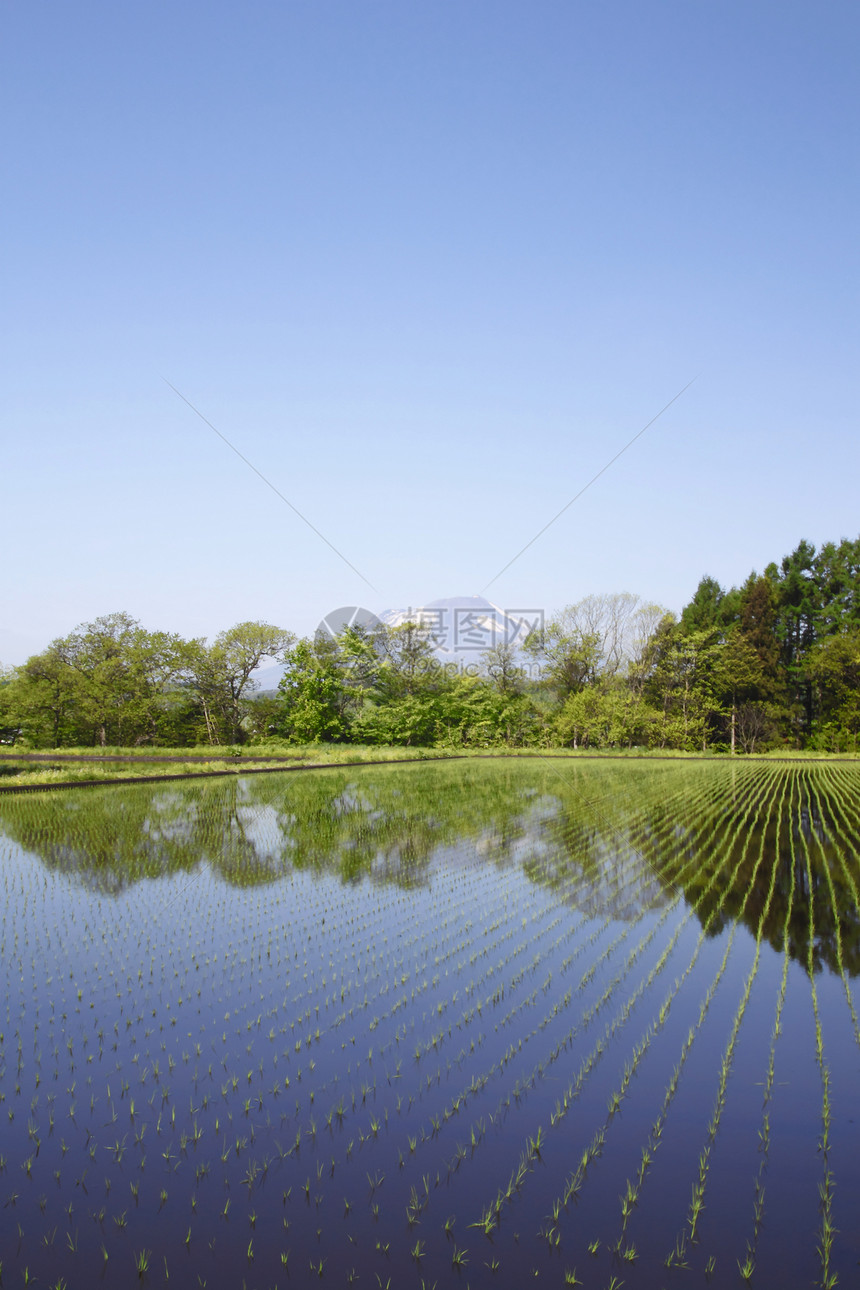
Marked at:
<point>844,799</point>
<point>576,1180</point>
<point>574,1183</point>
<point>414,1206</point>
<point>476,1130</point>
<point>359,1062</point>
<point>630,1198</point>
<point>623,970</point>
<point>593,968</point>
<point>455,1101</point>
<point>747,1265</point>
<point>503,990</point>
<point>443,961</point>
<point>510,986</point>
<point>491,1213</point>
<point>843,787</point>
<point>309,1037</point>
<point>633,1188</point>
<point>834,802</point>
<point>119,994</point>
<point>677,1255</point>
<point>442,955</point>
<point>399,1001</point>
<point>827,1230</point>
<point>558,1007</point>
<point>479,1082</point>
<point>602,808</point>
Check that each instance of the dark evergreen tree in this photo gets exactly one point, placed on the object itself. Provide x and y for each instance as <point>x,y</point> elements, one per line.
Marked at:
<point>758,625</point>
<point>704,611</point>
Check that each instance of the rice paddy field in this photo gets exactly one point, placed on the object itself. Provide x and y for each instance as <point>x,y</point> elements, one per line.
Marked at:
<point>478,1024</point>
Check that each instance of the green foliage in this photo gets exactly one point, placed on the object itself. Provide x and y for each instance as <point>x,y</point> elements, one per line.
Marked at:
<point>473,713</point>
<point>568,652</point>
<point>221,674</point>
<point>409,720</point>
<point>599,716</point>
<point>314,698</point>
<point>705,611</point>
<point>113,682</point>
<point>772,664</point>
<point>833,669</point>
<point>389,689</point>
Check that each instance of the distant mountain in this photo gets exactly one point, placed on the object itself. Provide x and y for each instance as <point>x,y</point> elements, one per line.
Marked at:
<point>465,627</point>
<point>269,678</point>
<point>462,628</point>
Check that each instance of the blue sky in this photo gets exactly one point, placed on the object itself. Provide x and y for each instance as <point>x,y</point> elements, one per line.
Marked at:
<point>428,266</point>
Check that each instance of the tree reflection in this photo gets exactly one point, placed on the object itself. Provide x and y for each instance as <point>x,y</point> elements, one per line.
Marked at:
<point>609,839</point>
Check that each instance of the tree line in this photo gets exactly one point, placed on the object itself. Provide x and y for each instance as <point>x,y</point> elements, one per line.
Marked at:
<point>112,682</point>
<point>773,663</point>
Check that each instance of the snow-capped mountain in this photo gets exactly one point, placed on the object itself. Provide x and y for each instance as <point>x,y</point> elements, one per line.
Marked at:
<point>463,628</point>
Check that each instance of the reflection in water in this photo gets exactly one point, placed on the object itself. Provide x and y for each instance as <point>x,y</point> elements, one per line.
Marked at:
<point>610,839</point>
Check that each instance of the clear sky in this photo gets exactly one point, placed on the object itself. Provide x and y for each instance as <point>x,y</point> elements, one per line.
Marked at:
<point>429,264</point>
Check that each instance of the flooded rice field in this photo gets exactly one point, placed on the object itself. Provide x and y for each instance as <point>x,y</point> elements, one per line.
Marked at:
<point>471,1024</point>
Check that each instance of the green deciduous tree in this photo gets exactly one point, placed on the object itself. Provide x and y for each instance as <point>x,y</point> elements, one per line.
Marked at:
<point>314,699</point>
<point>407,663</point>
<point>42,700</point>
<point>10,716</point>
<point>594,717</point>
<point>833,669</point>
<point>470,712</point>
<point>502,666</point>
<point>568,655</point>
<point>122,673</point>
<point>222,674</point>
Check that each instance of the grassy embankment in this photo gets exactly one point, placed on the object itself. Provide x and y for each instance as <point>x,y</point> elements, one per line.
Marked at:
<point>57,767</point>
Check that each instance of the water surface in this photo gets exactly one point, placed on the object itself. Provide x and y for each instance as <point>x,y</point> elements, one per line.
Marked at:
<point>433,1021</point>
